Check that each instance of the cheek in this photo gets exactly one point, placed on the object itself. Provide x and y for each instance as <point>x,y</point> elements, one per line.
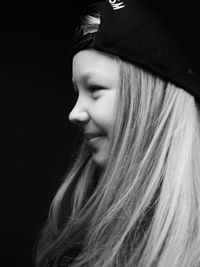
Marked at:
<point>105,113</point>
<point>110,114</point>
<point>110,110</point>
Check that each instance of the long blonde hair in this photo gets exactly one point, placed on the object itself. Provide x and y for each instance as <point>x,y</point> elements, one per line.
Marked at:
<point>144,208</point>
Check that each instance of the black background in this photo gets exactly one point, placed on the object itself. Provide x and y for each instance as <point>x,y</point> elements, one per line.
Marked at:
<point>35,99</point>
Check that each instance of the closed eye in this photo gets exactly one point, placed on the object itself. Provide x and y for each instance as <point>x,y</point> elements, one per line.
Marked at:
<point>93,88</point>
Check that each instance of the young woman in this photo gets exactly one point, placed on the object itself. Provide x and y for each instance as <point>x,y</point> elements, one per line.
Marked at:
<point>132,195</point>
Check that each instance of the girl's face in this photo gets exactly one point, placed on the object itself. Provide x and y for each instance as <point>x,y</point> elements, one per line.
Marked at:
<point>96,80</point>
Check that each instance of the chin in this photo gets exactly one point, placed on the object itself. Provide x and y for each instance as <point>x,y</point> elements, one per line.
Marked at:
<point>100,160</point>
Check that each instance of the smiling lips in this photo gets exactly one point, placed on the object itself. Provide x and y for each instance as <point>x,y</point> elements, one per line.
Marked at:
<point>90,136</point>
<point>94,140</point>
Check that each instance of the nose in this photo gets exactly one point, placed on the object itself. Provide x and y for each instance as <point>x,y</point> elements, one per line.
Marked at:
<point>79,114</point>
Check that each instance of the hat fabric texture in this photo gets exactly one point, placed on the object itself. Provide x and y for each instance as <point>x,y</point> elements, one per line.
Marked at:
<point>134,31</point>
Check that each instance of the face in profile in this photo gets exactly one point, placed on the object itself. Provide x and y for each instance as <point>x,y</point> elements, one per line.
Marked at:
<point>96,81</point>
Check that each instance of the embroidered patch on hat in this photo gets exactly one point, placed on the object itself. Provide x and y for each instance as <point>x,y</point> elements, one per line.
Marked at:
<point>116,4</point>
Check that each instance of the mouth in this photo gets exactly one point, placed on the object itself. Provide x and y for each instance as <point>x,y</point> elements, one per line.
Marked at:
<point>90,136</point>
<point>95,140</point>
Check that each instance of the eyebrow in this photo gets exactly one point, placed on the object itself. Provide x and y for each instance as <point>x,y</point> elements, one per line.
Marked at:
<point>84,78</point>
<point>87,76</point>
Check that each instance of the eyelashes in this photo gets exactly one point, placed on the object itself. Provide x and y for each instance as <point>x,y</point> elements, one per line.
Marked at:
<point>94,88</point>
<point>93,91</point>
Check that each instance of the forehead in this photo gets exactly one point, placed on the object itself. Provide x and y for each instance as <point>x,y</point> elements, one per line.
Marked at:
<point>90,63</point>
